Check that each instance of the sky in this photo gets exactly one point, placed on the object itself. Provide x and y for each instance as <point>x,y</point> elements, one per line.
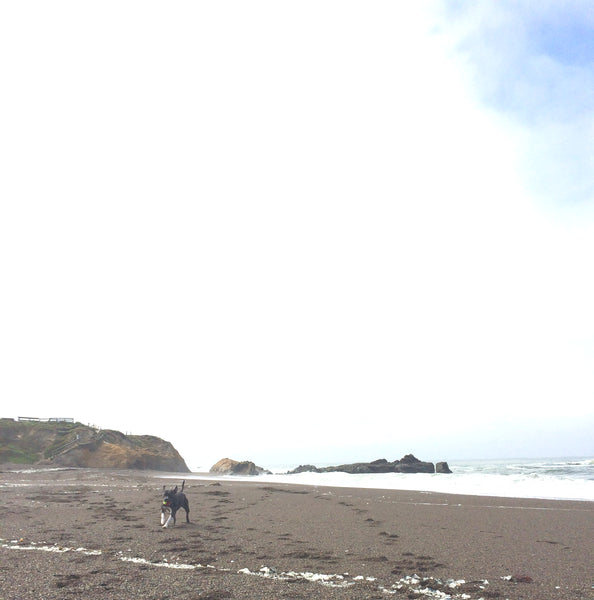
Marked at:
<point>301,232</point>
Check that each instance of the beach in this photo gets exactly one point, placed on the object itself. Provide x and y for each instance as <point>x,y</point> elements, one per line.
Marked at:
<point>91,533</point>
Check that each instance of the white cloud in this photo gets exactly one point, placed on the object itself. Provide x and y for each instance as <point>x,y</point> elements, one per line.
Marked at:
<point>274,227</point>
<point>533,63</point>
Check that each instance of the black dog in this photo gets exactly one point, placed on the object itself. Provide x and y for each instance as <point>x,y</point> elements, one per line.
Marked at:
<point>172,502</point>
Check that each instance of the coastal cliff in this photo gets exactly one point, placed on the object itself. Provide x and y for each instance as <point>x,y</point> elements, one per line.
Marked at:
<point>62,444</point>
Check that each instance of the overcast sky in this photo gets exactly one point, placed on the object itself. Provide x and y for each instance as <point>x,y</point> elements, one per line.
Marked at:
<point>304,231</point>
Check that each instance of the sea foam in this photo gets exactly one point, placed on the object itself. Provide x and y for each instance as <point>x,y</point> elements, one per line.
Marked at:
<point>557,479</point>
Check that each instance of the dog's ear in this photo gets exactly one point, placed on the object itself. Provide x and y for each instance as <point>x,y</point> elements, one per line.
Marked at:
<point>163,488</point>
<point>175,490</point>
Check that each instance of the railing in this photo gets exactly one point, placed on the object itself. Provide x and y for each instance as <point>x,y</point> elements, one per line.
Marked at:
<point>96,435</point>
<point>47,420</point>
<point>62,448</point>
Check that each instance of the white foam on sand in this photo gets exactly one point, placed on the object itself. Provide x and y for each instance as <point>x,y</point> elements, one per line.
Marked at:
<point>163,563</point>
<point>427,587</point>
<point>20,545</point>
<point>325,579</point>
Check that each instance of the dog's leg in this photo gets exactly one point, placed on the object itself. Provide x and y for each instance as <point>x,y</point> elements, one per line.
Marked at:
<point>168,522</point>
<point>187,509</point>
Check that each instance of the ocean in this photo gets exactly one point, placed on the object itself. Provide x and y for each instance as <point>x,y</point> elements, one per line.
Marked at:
<point>553,478</point>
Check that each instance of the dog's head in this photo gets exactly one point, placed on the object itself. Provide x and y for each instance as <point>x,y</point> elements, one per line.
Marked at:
<point>169,496</point>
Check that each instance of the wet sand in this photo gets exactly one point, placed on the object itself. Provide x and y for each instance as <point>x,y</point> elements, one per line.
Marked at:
<point>91,534</point>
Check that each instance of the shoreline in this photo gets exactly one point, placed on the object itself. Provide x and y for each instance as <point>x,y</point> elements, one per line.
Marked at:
<point>281,478</point>
<point>363,483</point>
<point>97,532</point>
<point>263,480</point>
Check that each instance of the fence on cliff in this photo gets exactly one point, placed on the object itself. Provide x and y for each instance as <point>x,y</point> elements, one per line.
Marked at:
<point>47,420</point>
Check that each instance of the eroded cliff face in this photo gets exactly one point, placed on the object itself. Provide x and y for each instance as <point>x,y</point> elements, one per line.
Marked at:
<point>76,445</point>
<point>114,450</point>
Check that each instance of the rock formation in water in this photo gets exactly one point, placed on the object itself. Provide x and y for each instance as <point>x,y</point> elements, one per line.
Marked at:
<point>407,464</point>
<point>228,466</point>
<point>442,467</point>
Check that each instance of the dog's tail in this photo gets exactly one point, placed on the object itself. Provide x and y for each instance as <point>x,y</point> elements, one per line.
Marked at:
<point>182,487</point>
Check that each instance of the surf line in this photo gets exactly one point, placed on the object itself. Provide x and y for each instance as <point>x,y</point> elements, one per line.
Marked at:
<point>44,547</point>
<point>421,586</point>
<point>18,545</point>
<point>264,571</point>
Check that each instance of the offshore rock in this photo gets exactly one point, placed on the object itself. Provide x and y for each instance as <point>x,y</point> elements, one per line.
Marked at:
<point>442,467</point>
<point>407,464</point>
<point>228,466</point>
<point>305,469</point>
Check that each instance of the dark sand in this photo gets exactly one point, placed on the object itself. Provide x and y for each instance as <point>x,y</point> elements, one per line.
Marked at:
<point>66,534</point>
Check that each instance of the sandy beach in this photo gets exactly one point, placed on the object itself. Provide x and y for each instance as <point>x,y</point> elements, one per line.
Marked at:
<point>94,534</point>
